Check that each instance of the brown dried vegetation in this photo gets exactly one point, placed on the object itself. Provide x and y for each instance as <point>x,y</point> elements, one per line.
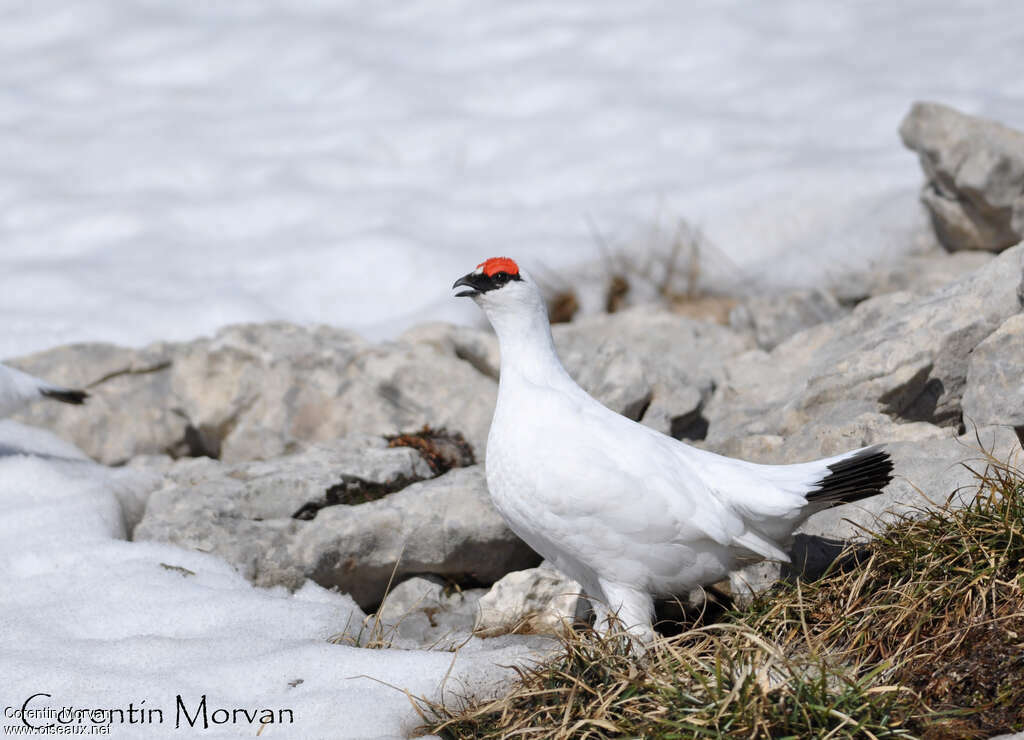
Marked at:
<point>669,270</point>
<point>443,450</point>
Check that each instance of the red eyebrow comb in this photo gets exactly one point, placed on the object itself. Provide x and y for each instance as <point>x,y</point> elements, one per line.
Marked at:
<point>499,264</point>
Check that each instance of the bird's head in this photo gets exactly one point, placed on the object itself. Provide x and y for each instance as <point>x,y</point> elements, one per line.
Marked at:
<point>497,283</point>
<point>507,294</point>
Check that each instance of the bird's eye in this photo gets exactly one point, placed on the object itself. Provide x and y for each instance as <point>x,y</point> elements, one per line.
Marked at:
<point>501,277</point>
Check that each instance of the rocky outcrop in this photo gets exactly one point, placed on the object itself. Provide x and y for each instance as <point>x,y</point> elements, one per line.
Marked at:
<point>900,355</point>
<point>478,347</point>
<point>975,176</point>
<point>919,274</point>
<point>378,513</point>
<point>838,427</point>
<point>255,391</point>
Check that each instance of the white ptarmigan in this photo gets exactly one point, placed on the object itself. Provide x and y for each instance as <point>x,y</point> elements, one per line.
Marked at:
<point>628,512</point>
<point>18,390</point>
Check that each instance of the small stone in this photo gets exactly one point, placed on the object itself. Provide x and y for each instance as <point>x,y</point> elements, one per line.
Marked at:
<point>427,612</point>
<point>535,601</point>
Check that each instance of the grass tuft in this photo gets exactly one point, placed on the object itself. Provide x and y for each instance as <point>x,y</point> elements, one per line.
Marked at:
<point>923,637</point>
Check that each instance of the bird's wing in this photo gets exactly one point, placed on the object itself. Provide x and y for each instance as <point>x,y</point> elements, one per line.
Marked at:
<point>732,502</point>
<point>745,501</point>
<point>624,483</point>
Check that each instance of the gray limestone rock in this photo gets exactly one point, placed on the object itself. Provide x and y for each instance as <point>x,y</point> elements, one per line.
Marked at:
<point>975,176</point>
<point>838,427</point>
<point>426,612</point>
<point>995,377</point>
<point>129,409</point>
<point>244,513</point>
<point>478,347</point>
<point>903,355</point>
<point>256,392</point>
<point>446,526</point>
<point>774,318</point>
<point>919,274</point>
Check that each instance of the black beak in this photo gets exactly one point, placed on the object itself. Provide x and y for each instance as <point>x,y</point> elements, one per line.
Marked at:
<point>477,283</point>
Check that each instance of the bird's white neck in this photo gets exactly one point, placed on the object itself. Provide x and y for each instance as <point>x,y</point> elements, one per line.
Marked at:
<point>527,347</point>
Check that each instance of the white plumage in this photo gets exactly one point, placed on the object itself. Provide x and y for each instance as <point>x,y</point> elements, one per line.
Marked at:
<point>19,389</point>
<point>629,512</point>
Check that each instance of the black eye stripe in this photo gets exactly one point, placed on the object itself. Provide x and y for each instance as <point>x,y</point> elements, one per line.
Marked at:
<point>504,277</point>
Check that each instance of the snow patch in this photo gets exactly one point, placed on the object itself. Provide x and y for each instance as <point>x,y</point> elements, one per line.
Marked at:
<point>169,169</point>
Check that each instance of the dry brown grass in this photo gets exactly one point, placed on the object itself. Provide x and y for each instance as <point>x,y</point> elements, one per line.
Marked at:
<point>442,450</point>
<point>923,638</point>
<point>666,265</point>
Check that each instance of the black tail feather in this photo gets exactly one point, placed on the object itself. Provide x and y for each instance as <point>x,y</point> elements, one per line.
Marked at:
<point>857,477</point>
<point>65,394</point>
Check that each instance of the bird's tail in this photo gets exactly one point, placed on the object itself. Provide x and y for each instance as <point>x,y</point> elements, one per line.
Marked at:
<point>65,395</point>
<point>788,494</point>
<point>853,477</point>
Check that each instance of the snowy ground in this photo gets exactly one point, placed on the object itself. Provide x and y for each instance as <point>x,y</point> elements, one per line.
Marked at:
<point>172,167</point>
<point>96,622</point>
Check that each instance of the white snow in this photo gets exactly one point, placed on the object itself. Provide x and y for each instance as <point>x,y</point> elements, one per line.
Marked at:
<point>100,623</point>
<point>172,167</point>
